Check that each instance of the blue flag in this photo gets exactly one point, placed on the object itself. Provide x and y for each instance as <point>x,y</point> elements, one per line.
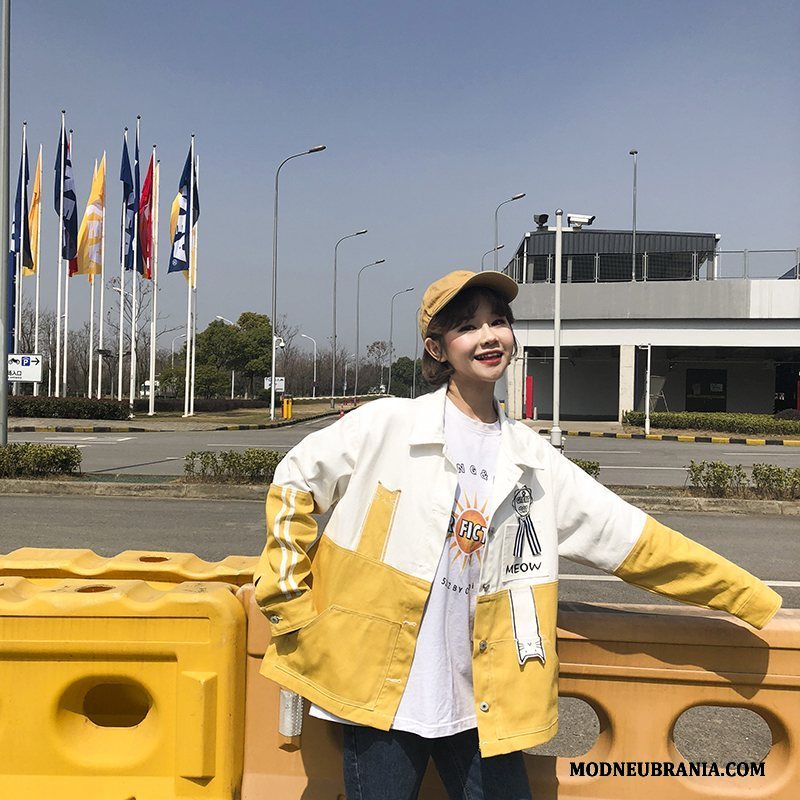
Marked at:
<point>129,202</point>
<point>179,257</point>
<point>21,211</point>
<point>64,193</point>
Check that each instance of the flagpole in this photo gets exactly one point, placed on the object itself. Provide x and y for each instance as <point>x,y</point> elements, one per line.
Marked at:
<point>67,276</point>
<point>193,275</point>
<point>154,277</point>
<point>38,264</point>
<point>102,287</point>
<point>121,286</point>
<point>60,275</point>
<point>91,332</point>
<point>189,235</point>
<point>134,299</point>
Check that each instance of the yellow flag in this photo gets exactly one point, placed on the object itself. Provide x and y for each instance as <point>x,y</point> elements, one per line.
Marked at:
<point>173,223</point>
<point>33,217</point>
<point>90,235</point>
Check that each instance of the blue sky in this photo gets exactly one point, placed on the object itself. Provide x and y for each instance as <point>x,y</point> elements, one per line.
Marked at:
<point>432,114</point>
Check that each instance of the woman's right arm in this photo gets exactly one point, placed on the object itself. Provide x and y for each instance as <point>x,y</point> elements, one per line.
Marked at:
<point>309,480</point>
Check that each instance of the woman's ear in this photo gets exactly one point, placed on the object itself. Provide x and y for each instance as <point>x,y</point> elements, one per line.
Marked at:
<point>433,349</point>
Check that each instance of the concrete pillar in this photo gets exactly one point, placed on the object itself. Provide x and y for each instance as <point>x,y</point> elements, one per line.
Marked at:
<point>627,372</point>
<point>515,381</point>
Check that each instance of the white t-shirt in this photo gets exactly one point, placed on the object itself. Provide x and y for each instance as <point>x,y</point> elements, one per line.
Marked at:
<point>438,699</point>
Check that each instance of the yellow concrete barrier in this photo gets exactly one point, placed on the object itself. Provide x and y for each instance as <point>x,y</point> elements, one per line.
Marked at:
<point>151,566</point>
<point>638,667</point>
<point>116,689</point>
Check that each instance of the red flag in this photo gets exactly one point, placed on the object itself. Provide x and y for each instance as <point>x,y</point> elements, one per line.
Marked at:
<point>146,223</point>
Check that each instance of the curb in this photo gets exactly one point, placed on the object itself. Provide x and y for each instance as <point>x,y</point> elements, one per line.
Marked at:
<point>671,437</point>
<point>223,491</point>
<point>132,429</point>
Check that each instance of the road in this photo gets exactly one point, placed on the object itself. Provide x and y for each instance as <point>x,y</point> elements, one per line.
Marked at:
<point>626,462</point>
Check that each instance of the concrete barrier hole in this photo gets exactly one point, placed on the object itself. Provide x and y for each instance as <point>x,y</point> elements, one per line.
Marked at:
<point>153,559</point>
<point>117,705</point>
<point>722,734</point>
<point>578,729</point>
<point>95,587</point>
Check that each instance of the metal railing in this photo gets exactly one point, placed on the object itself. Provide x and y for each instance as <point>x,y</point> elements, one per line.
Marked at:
<point>659,266</point>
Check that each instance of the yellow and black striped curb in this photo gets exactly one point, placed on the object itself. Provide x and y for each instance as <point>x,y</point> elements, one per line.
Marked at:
<point>672,437</point>
<point>133,429</point>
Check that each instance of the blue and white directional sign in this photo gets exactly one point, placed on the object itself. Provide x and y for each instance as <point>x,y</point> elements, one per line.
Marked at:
<point>25,368</point>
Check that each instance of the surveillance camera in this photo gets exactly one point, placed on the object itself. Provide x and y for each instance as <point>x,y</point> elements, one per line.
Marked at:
<point>579,220</point>
<point>541,220</point>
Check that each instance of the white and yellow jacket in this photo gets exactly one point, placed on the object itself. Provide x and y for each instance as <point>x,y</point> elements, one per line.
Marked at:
<point>345,607</point>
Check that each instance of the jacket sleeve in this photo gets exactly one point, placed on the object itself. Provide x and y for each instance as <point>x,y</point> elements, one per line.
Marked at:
<point>309,480</point>
<point>600,529</point>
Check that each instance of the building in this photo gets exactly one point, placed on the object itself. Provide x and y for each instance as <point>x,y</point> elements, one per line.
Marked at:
<point>724,326</point>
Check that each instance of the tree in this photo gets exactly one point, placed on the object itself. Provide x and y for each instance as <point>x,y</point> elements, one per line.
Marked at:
<point>210,381</point>
<point>402,374</point>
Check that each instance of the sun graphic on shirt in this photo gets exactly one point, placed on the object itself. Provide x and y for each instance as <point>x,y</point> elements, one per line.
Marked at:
<point>468,531</point>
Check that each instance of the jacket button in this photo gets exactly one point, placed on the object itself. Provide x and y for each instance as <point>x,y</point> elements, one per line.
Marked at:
<point>482,646</point>
<point>274,619</point>
<point>484,706</point>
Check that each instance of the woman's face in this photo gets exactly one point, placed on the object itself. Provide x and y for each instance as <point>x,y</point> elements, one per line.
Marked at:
<point>479,348</point>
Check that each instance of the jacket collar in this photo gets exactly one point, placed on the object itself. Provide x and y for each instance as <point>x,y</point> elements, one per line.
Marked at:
<point>428,428</point>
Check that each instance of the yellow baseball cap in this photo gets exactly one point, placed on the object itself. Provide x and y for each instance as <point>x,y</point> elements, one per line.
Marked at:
<point>441,292</point>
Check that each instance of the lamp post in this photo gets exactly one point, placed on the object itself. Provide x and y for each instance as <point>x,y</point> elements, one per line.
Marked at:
<point>493,250</point>
<point>649,349</point>
<point>319,148</point>
<point>416,350</point>
<point>358,313</point>
<point>333,352</point>
<point>314,386</point>
<point>391,323</point>
<point>574,222</point>
<point>277,341</point>
<point>347,358</point>
<point>172,349</point>
<point>510,200</point>
<point>633,153</point>
<point>233,373</point>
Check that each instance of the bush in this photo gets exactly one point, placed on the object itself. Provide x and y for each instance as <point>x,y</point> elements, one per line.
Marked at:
<point>232,466</point>
<point>718,479</point>
<point>26,460</point>
<point>788,413</point>
<point>200,404</point>
<point>776,483</point>
<point>747,424</point>
<point>590,467</point>
<point>67,408</point>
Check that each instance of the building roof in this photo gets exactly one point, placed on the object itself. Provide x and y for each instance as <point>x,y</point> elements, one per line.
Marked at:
<point>590,241</point>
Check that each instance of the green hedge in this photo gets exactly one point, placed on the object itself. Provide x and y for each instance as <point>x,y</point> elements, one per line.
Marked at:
<point>218,404</point>
<point>26,460</point>
<point>768,481</point>
<point>232,466</point>
<point>590,467</point>
<point>67,408</point>
<point>747,424</point>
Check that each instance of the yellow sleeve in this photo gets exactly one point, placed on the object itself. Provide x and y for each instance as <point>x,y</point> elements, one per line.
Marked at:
<point>667,562</point>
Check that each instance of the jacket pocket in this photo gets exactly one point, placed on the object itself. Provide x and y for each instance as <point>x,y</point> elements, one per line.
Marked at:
<point>344,654</point>
<point>378,522</point>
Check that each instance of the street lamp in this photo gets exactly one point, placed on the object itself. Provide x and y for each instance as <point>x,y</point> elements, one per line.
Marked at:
<point>391,323</point>
<point>496,238</point>
<point>493,250</point>
<point>333,356</point>
<point>319,148</point>
<point>347,358</point>
<point>279,342</point>
<point>633,153</point>
<point>575,222</point>
<point>314,387</point>
<point>233,373</point>
<point>172,348</point>
<point>358,312</point>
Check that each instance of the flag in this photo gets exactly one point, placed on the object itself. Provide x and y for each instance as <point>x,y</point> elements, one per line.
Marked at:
<point>90,237</point>
<point>64,193</point>
<point>33,217</point>
<point>146,223</point>
<point>136,195</point>
<point>179,258</point>
<point>20,226</point>
<point>129,202</point>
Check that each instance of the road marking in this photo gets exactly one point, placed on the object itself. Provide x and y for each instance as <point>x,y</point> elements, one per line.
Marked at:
<point>751,454</point>
<point>613,578</point>
<point>634,466</point>
<point>606,452</point>
<point>253,447</point>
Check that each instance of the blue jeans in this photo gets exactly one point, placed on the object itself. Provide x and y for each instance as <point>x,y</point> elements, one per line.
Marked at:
<point>390,765</point>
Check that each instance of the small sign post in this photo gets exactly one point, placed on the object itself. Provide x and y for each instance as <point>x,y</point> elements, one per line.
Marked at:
<point>25,368</point>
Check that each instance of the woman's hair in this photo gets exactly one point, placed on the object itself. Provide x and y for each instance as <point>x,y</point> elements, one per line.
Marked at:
<point>460,308</point>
